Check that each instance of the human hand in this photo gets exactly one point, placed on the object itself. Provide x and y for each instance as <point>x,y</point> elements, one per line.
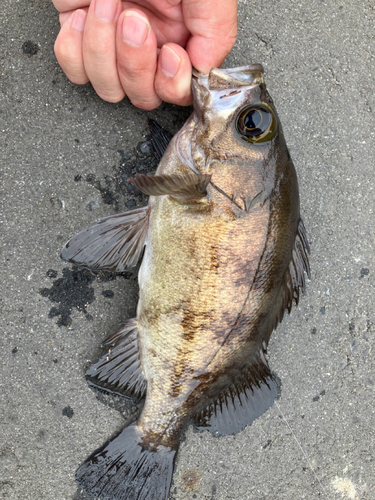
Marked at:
<point>144,49</point>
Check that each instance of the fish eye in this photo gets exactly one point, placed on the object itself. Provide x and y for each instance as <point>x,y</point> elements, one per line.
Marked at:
<point>257,123</point>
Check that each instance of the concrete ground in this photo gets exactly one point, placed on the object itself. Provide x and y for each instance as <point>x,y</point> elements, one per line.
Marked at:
<point>64,155</point>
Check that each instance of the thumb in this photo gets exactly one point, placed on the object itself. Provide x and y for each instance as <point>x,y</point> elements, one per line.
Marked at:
<point>213,28</point>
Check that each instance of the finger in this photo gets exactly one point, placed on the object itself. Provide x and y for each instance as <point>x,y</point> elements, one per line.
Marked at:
<point>213,25</point>
<point>64,16</point>
<point>173,77</point>
<point>66,5</point>
<point>167,21</point>
<point>137,58</point>
<point>68,48</point>
<point>99,49</point>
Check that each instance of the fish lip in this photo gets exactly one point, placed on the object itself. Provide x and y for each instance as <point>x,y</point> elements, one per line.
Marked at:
<point>229,71</point>
<point>219,78</point>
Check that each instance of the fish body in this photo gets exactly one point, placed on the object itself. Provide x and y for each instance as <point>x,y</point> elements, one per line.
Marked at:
<point>225,253</point>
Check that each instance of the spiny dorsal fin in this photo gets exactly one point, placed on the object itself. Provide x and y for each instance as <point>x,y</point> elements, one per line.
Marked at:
<point>113,243</point>
<point>120,370</point>
<point>294,280</point>
<point>160,138</point>
<point>186,189</point>
<point>238,406</point>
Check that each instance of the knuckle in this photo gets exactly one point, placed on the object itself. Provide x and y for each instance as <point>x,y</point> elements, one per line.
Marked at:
<point>146,104</point>
<point>63,52</point>
<point>62,5</point>
<point>99,48</point>
<point>58,5</point>
<point>111,95</point>
<point>178,93</point>
<point>70,63</point>
<point>78,79</point>
<point>112,98</point>
<point>133,69</point>
<point>65,5</point>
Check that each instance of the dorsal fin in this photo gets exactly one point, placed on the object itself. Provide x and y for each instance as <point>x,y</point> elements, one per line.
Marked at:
<point>250,396</point>
<point>294,280</point>
<point>160,138</point>
<point>187,189</point>
<point>120,370</point>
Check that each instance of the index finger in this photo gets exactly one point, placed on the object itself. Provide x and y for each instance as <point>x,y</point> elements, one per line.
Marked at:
<point>213,28</point>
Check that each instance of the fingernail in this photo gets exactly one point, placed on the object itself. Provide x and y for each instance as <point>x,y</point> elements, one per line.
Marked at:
<point>79,20</point>
<point>105,9</point>
<point>169,61</point>
<point>135,29</point>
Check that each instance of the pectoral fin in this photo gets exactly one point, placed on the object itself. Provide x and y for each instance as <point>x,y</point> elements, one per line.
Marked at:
<point>238,406</point>
<point>113,243</point>
<point>187,189</point>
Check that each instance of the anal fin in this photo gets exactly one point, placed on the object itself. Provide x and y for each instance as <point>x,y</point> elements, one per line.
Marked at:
<point>238,406</point>
<point>187,189</point>
<point>120,370</point>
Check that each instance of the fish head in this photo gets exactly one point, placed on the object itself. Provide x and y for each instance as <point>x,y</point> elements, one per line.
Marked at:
<point>235,133</point>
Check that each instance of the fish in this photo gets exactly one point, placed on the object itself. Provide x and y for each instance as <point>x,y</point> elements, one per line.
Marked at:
<point>224,255</point>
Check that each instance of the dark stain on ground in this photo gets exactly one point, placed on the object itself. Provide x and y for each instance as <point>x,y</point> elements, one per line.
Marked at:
<point>316,398</point>
<point>30,48</point>
<point>115,188</point>
<point>108,293</point>
<point>269,441</point>
<point>68,412</point>
<point>73,290</point>
<point>15,350</point>
<point>104,276</point>
<point>190,478</point>
<point>41,434</point>
<point>364,272</point>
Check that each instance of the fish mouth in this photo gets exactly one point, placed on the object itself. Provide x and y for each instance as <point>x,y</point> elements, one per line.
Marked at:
<point>219,79</point>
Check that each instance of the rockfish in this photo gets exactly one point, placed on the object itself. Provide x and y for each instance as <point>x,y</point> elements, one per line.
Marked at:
<point>224,255</point>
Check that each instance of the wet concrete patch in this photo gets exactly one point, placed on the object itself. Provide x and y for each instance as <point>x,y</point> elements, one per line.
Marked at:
<point>71,291</point>
<point>74,291</point>
<point>115,188</point>
<point>30,48</point>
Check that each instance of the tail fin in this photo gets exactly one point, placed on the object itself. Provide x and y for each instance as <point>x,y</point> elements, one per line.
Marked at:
<point>124,468</point>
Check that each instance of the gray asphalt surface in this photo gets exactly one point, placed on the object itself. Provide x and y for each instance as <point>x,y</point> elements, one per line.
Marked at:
<point>64,155</point>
